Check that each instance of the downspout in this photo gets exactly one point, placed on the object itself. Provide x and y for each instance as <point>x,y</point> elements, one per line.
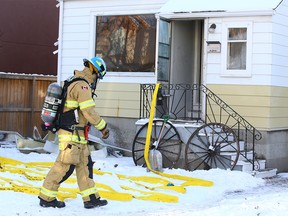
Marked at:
<point>60,37</point>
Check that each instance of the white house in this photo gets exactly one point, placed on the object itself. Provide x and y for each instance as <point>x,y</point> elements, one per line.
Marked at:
<point>238,49</point>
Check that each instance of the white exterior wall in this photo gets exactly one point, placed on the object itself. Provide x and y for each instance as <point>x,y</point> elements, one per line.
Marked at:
<point>260,97</point>
<point>261,52</point>
<point>279,76</point>
<point>269,63</point>
<point>269,37</point>
<point>77,33</point>
<point>268,50</point>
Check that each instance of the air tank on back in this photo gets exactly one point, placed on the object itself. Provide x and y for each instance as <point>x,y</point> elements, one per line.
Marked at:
<point>52,102</point>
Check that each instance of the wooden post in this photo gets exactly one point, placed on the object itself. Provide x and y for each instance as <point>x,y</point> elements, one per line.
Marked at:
<point>31,128</point>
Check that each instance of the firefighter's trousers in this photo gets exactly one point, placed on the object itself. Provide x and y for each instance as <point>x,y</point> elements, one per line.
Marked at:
<point>73,156</point>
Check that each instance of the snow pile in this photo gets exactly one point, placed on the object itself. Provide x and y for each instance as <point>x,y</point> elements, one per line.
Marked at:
<point>233,193</point>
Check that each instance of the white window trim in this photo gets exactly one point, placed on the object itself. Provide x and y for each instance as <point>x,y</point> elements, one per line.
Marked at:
<point>236,73</point>
<point>120,77</point>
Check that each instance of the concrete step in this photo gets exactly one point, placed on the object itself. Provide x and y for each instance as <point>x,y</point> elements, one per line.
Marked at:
<point>248,155</point>
<point>232,146</point>
<point>265,173</point>
<point>246,166</point>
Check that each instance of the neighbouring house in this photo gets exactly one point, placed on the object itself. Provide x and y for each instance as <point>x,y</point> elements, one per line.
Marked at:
<point>237,49</point>
<point>28,31</point>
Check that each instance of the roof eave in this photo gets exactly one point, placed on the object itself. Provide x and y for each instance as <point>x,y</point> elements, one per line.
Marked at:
<point>204,14</point>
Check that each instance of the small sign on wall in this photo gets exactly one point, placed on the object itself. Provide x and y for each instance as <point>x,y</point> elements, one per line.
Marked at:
<point>213,47</point>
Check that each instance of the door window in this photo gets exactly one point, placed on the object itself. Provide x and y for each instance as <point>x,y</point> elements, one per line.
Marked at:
<point>164,51</point>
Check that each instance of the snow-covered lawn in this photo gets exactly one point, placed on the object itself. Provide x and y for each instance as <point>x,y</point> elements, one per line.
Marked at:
<point>233,192</point>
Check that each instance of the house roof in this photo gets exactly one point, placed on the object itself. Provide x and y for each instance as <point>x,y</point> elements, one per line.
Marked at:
<point>230,6</point>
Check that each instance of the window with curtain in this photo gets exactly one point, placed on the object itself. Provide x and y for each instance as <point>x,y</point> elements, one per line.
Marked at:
<point>127,43</point>
<point>237,49</point>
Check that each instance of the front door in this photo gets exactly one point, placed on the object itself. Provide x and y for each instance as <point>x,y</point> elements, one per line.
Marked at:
<point>180,62</point>
<point>186,50</point>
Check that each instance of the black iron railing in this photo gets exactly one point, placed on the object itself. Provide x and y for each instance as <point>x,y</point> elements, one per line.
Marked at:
<point>197,103</point>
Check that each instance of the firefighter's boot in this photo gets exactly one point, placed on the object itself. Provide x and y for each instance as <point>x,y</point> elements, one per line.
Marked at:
<point>93,203</point>
<point>54,203</point>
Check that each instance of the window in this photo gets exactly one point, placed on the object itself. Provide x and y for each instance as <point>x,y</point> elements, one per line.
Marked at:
<point>127,43</point>
<point>237,49</point>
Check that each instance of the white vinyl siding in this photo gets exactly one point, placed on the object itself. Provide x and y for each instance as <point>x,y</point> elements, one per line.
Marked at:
<point>279,75</point>
<point>261,49</point>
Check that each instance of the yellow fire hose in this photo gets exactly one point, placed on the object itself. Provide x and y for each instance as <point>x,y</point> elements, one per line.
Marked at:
<point>147,193</point>
<point>107,192</point>
<point>189,180</point>
<point>36,171</point>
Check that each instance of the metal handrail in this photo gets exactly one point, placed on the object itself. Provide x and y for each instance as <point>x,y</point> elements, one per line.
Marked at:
<point>197,103</point>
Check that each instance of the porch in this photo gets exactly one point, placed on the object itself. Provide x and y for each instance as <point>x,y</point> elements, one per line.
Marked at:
<point>202,132</point>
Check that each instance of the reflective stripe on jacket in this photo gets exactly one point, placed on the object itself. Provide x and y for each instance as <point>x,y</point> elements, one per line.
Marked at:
<point>71,138</point>
<point>74,104</point>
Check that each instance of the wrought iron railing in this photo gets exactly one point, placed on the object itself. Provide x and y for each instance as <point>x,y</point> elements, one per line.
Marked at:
<point>197,103</point>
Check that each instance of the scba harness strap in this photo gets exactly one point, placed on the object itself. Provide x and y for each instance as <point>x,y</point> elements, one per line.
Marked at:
<point>66,120</point>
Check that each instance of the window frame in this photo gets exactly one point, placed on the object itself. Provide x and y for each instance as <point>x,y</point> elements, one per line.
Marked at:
<point>122,77</point>
<point>236,73</point>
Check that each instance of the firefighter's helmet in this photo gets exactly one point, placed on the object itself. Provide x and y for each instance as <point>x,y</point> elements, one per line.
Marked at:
<point>99,64</point>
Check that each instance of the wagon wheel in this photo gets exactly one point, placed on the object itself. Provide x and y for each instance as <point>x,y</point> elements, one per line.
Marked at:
<point>169,145</point>
<point>212,145</point>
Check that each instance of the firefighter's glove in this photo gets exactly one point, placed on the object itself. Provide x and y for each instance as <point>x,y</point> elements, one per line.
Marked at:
<point>105,133</point>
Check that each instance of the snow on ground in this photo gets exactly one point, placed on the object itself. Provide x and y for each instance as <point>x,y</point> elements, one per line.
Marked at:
<point>233,193</point>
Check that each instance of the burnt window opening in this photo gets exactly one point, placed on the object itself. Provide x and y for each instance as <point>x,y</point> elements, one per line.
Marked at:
<point>127,43</point>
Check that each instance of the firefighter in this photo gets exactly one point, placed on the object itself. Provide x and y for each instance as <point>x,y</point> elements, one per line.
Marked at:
<point>73,149</point>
